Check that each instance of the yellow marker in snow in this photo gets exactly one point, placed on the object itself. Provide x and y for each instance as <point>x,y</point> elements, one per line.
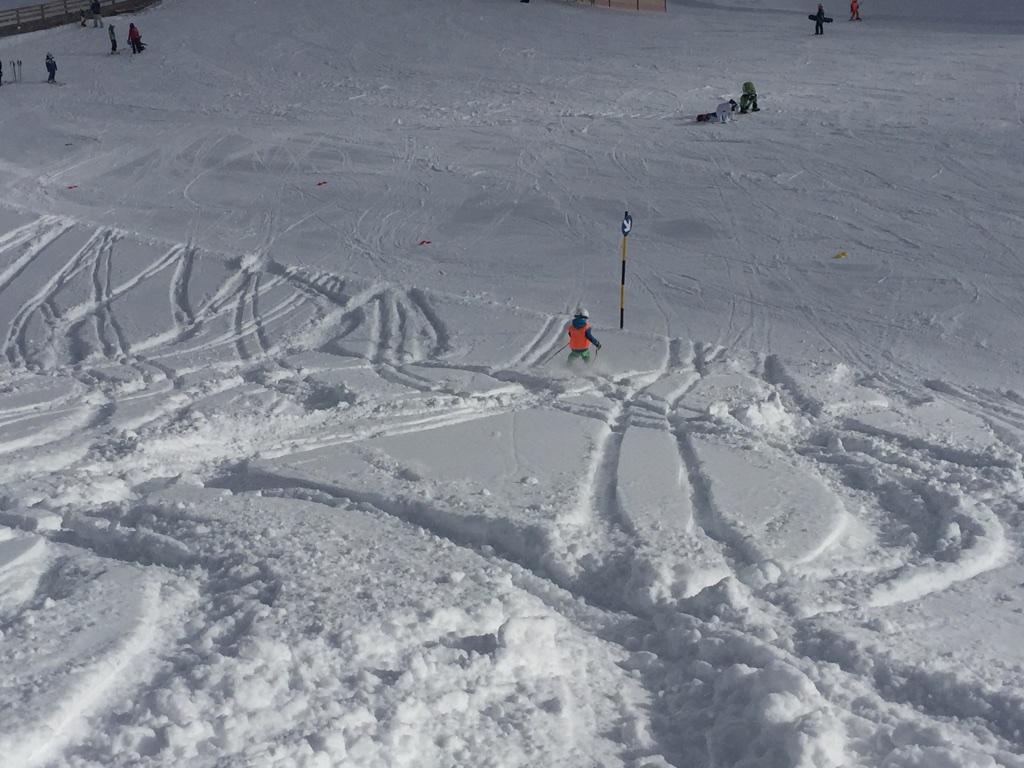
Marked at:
<point>841,255</point>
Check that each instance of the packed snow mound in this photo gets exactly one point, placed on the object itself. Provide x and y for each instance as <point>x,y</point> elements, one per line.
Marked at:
<point>773,717</point>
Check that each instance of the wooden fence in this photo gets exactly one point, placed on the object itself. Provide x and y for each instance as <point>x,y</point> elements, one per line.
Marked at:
<point>626,5</point>
<point>633,5</point>
<point>57,12</point>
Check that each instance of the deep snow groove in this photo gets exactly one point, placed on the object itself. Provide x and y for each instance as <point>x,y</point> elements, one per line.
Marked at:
<point>397,325</point>
<point>108,332</point>
<point>35,237</point>
<point>702,502</point>
<point>541,346</point>
<point>526,548</point>
<point>936,695</point>
<point>604,495</point>
<point>180,301</point>
<point>257,318</point>
<point>16,345</point>
<point>436,327</point>
<point>706,515</point>
<point>241,302</point>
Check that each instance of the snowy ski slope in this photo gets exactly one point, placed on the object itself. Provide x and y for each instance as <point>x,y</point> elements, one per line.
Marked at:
<point>286,479</point>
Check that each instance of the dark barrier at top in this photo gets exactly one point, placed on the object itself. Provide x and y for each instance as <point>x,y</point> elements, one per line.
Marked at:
<point>54,14</point>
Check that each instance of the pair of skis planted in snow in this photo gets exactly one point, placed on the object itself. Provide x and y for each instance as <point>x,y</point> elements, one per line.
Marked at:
<point>15,71</point>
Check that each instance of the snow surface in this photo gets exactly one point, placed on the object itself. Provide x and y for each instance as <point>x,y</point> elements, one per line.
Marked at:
<point>286,476</point>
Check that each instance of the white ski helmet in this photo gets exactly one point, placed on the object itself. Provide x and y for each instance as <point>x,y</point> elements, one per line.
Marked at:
<point>582,312</point>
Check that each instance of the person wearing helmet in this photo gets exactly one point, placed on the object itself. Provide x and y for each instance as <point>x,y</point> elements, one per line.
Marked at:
<point>581,336</point>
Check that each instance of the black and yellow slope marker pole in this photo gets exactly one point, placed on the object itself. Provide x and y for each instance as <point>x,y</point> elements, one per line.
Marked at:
<point>627,226</point>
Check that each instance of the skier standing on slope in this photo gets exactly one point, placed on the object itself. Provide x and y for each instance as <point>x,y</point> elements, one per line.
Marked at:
<point>854,10</point>
<point>581,336</point>
<point>113,38</point>
<point>97,14</point>
<point>819,20</point>
<point>51,67</point>
<point>135,39</point>
<point>1,73</point>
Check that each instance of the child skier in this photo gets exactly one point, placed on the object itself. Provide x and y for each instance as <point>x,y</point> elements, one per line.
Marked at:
<point>720,115</point>
<point>580,336</point>
<point>854,10</point>
<point>51,67</point>
<point>113,39</point>
<point>748,101</point>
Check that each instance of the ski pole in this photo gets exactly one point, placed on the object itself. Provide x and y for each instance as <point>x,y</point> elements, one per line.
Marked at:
<point>552,355</point>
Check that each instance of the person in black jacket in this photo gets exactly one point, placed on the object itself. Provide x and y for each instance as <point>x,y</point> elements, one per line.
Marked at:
<point>97,14</point>
<point>51,67</point>
<point>819,20</point>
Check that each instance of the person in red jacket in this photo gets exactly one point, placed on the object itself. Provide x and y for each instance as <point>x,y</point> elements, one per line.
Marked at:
<point>854,10</point>
<point>135,39</point>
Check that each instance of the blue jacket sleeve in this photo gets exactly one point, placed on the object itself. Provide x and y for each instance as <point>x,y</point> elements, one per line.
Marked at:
<point>592,339</point>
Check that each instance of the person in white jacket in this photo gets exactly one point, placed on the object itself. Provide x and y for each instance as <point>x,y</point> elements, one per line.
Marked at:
<point>720,115</point>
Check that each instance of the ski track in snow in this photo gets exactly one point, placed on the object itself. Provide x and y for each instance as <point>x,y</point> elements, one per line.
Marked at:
<point>618,563</point>
<point>289,498</point>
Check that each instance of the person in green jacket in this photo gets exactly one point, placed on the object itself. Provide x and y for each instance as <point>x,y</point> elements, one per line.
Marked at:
<point>748,101</point>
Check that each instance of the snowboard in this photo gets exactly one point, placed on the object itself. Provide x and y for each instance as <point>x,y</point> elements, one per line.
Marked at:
<point>827,19</point>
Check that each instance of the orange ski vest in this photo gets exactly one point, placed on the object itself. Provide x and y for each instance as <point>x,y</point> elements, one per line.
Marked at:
<point>578,340</point>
